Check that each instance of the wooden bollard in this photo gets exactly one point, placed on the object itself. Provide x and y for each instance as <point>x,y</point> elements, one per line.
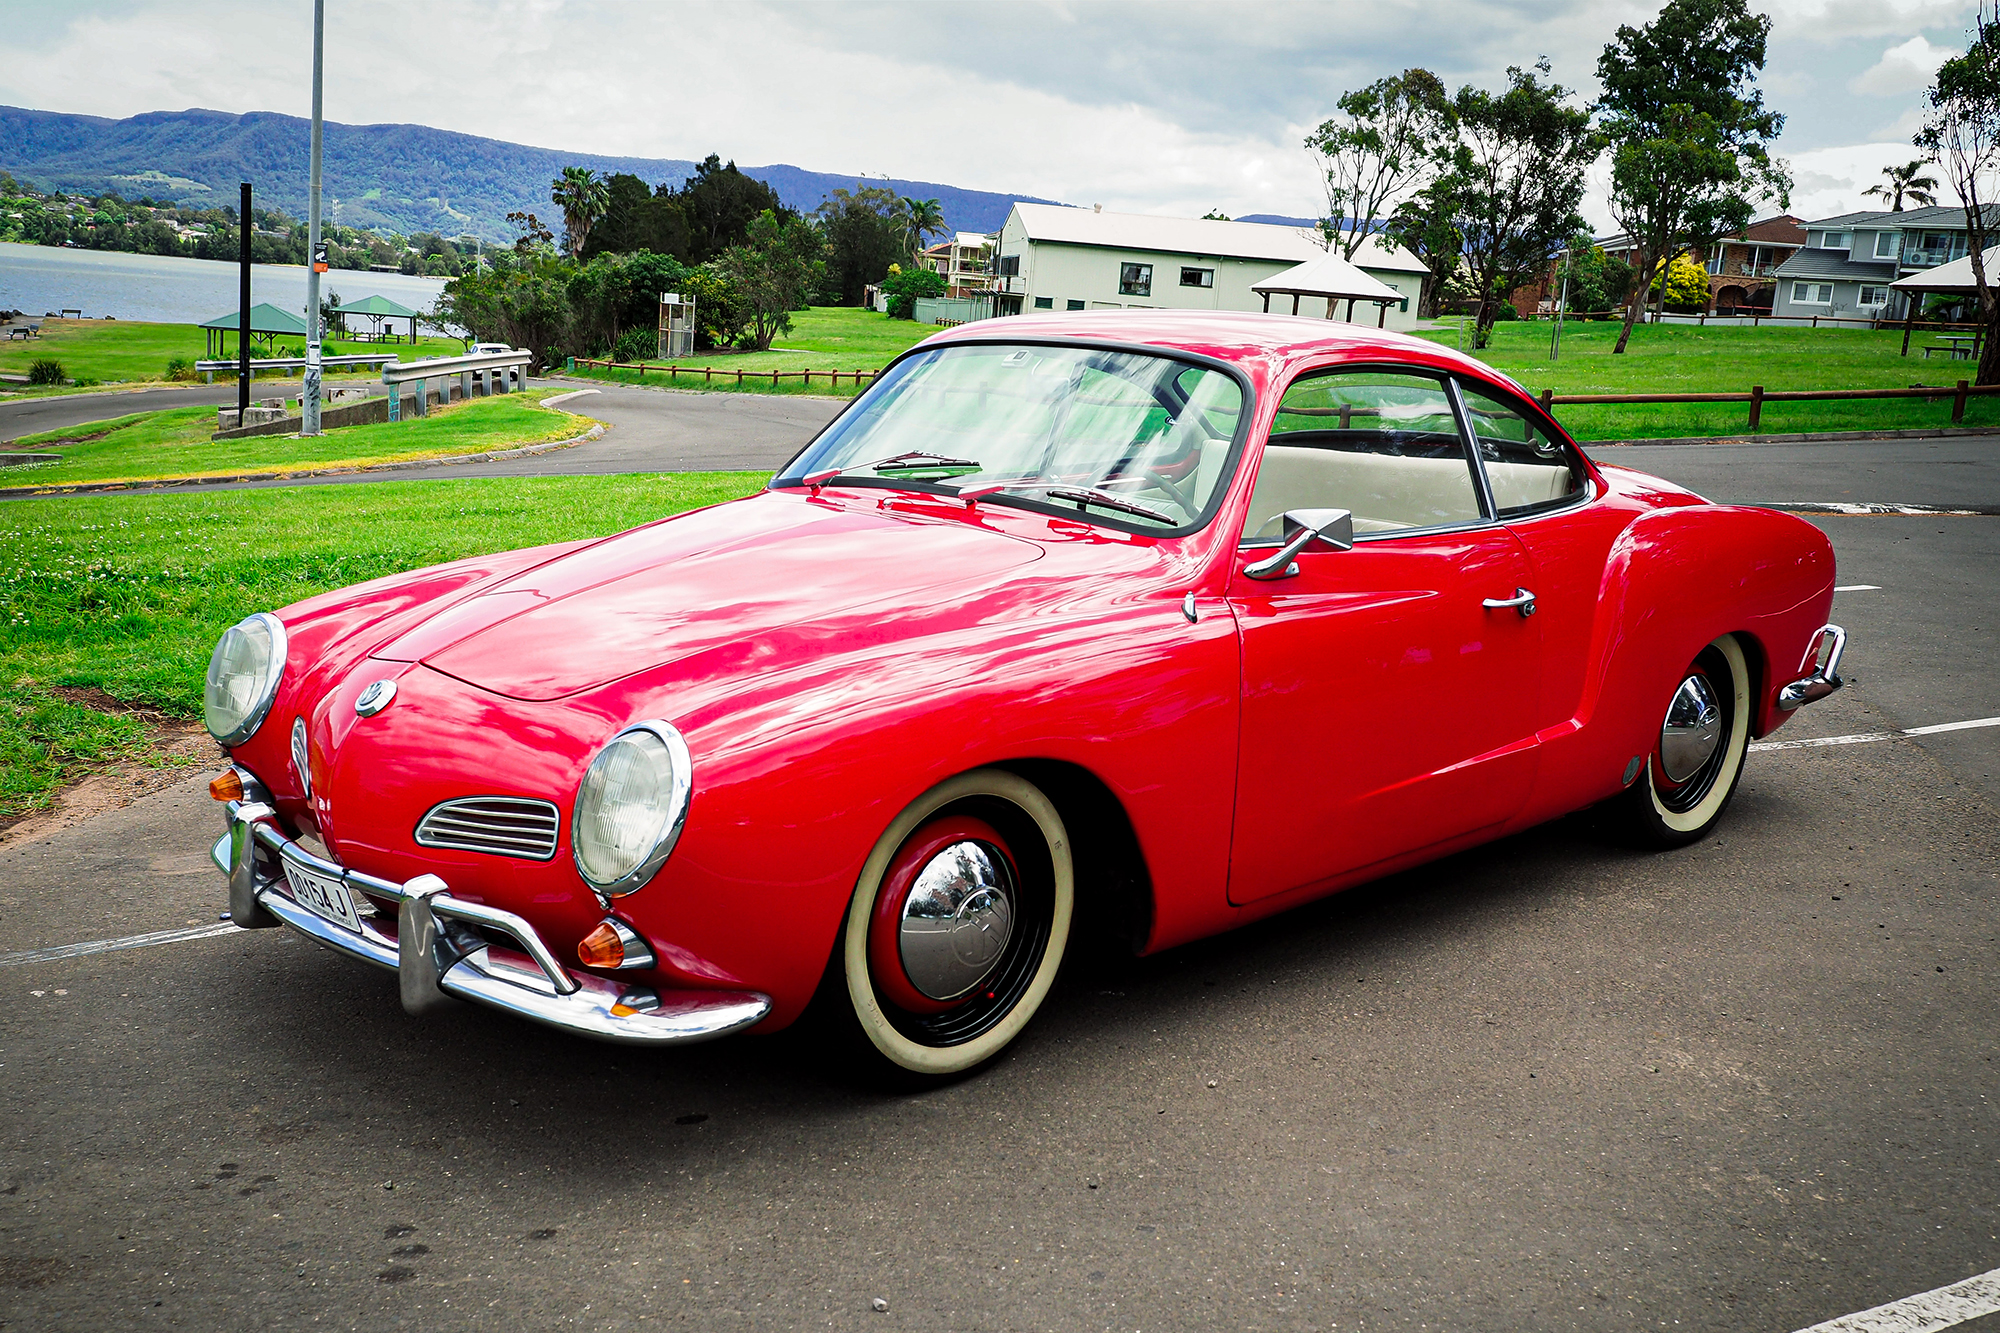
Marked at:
<point>1958,405</point>
<point>1756,406</point>
<point>1548,399</point>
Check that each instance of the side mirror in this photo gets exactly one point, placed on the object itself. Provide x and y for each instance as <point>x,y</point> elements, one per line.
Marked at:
<point>1333,528</point>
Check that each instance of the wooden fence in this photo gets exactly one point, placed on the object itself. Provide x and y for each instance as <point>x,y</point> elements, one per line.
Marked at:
<point>1758,396</point>
<point>707,373</point>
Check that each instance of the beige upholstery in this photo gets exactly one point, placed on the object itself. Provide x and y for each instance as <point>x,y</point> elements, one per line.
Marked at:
<point>1383,491</point>
<point>1517,484</point>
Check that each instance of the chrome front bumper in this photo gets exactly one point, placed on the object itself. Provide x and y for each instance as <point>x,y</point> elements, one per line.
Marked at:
<point>1825,677</point>
<point>440,952</point>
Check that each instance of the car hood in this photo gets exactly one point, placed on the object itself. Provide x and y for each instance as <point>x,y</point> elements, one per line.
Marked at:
<point>695,582</point>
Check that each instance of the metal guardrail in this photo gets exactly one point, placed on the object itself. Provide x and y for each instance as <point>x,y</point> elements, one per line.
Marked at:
<point>366,360</point>
<point>674,372</point>
<point>485,372</point>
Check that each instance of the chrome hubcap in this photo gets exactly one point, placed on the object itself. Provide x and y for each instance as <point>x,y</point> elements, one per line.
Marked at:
<point>957,920</point>
<point>1693,730</point>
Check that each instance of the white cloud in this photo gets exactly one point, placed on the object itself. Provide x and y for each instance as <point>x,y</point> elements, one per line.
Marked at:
<point>1827,21</point>
<point>1907,67</point>
<point>1828,181</point>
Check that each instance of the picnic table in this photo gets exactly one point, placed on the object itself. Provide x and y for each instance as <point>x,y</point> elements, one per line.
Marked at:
<point>1962,346</point>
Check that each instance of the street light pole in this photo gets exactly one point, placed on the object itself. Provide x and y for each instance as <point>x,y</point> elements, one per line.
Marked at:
<point>316,252</point>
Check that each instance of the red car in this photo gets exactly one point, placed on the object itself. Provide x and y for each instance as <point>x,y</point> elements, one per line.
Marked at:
<point>1165,620</point>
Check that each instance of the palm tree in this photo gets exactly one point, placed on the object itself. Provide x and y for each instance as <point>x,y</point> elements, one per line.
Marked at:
<point>921,219</point>
<point>1907,181</point>
<point>584,197</point>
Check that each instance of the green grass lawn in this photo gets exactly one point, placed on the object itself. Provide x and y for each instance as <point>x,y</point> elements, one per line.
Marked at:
<point>1682,358</point>
<point>129,593</point>
<point>823,338</point>
<point>111,351</point>
<point>175,443</point>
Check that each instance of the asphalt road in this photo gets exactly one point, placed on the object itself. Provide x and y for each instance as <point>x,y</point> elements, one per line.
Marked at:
<point>1549,1084</point>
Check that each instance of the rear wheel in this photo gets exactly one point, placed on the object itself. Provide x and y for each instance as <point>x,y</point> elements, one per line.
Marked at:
<point>1698,751</point>
<point>958,924</point>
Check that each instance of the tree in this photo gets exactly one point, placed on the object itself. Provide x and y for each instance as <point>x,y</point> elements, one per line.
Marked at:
<point>1512,183</point>
<point>1681,283</point>
<point>1909,181</point>
<point>583,197</point>
<point>719,203</point>
<point>1597,281</point>
<point>1385,143</point>
<point>639,218</point>
<point>863,238</point>
<point>906,286</point>
<point>1424,226</point>
<point>1689,132</point>
<point>921,219</point>
<point>1215,215</point>
<point>1961,132</point>
<point>778,264</point>
<point>533,235</point>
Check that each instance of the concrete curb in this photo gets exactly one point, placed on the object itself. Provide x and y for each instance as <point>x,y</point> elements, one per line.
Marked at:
<point>125,487</point>
<point>1815,437</point>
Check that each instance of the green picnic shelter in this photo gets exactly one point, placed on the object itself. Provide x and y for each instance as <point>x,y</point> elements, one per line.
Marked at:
<point>266,322</point>
<point>381,309</point>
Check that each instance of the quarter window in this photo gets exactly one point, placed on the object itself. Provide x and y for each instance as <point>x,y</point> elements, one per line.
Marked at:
<point>1197,277</point>
<point>1380,444</point>
<point>1135,279</point>
<point>1527,468</point>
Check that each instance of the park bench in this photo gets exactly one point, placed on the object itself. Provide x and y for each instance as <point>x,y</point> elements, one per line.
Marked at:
<point>32,329</point>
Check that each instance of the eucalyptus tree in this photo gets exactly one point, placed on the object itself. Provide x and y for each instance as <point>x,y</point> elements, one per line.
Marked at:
<point>1512,182</point>
<point>1386,143</point>
<point>1689,133</point>
<point>1961,132</point>
<point>1909,181</point>
<point>584,197</point>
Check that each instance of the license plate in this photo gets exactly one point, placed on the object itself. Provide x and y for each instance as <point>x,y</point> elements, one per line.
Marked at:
<point>322,896</point>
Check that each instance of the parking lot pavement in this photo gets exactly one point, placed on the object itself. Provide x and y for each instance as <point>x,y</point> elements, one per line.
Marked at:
<point>1548,1084</point>
<point>32,416</point>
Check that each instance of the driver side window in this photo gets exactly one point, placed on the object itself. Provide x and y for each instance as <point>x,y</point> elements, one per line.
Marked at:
<point>1382,444</point>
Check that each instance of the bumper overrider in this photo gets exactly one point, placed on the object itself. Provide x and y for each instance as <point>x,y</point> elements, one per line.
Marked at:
<point>1825,678</point>
<point>442,948</point>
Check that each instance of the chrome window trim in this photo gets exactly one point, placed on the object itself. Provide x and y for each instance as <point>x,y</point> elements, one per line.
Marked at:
<point>1533,413</point>
<point>281,652</point>
<point>681,796</point>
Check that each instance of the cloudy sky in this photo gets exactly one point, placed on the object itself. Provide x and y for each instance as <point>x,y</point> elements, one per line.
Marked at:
<point>1170,107</point>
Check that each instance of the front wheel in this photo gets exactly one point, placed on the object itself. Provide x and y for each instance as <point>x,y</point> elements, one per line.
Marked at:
<point>1697,754</point>
<point>958,923</point>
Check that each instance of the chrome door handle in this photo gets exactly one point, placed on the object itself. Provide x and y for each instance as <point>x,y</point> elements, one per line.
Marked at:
<point>1522,601</point>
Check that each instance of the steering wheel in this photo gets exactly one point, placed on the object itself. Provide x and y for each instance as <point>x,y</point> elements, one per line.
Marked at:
<point>1171,489</point>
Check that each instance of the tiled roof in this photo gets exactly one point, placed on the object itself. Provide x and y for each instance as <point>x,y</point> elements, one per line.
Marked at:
<point>1836,266</point>
<point>1942,218</point>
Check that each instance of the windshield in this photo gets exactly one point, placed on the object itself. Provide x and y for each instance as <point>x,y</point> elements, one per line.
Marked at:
<point>1121,437</point>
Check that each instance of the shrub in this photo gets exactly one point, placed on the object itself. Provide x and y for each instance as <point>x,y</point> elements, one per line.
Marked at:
<point>637,345</point>
<point>181,368</point>
<point>47,371</point>
<point>1504,311</point>
<point>904,286</point>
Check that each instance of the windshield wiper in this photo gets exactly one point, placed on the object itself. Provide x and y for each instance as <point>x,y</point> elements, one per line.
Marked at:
<point>917,461</point>
<point>1079,495</point>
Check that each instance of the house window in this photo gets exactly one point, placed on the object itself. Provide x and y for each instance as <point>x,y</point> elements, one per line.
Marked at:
<point>1833,240</point>
<point>1812,293</point>
<point>1072,305</point>
<point>1045,302</point>
<point>1195,277</point>
<point>1874,296</point>
<point>1010,266</point>
<point>1135,279</point>
<point>1887,243</point>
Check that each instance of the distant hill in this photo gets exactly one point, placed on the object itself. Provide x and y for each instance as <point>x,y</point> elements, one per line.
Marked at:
<point>407,178</point>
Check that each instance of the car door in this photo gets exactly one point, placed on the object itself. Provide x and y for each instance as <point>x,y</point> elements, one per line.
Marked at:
<point>1388,703</point>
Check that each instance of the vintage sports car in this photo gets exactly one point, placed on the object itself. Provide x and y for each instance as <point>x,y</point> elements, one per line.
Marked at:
<point>1160,621</point>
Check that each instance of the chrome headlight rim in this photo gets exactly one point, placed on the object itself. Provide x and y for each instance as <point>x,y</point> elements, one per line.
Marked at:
<point>680,792</point>
<point>280,652</point>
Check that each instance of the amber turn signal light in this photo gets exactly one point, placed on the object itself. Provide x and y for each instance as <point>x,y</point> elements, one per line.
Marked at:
<point>227,786</point>
<point>601,947</point>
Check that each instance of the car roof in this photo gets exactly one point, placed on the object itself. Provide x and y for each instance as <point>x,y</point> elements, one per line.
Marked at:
<point>1269,347</point>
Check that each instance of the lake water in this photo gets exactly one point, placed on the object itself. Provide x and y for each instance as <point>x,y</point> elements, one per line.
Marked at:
<point>39,279</point>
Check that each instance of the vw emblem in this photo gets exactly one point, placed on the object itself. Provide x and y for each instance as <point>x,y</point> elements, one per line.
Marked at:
<point>375,698</point>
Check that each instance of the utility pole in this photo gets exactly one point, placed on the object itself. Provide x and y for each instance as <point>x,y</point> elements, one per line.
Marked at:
<point>309,400</point>
<point>243,226</point>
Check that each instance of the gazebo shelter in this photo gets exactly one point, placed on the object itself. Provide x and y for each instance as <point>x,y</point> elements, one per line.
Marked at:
<point>266,322</point>
<point>1332,279</point>
<point>381,309</point>
<point>1953,279</point>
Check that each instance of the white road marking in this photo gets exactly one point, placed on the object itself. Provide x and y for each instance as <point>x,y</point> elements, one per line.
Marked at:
<point>1863,737</point>
<point>1859,587</point>
<point>1845,508</point>
<point>112,946</point>
<point>1925,1312</point>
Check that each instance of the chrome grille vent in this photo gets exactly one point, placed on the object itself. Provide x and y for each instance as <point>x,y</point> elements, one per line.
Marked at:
<point>502,825</point>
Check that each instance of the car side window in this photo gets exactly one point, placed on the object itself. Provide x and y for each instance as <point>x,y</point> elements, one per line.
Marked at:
<point>1382,444</point>
<point>1527,468</point>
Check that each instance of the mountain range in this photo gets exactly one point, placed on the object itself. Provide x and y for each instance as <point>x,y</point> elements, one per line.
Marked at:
<point>405,178</point>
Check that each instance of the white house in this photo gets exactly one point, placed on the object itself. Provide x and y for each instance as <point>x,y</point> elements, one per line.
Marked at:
<point>1054,258</point>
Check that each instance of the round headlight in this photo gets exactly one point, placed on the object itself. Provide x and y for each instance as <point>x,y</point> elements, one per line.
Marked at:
<point>630,807</point>
<point>243,677</point>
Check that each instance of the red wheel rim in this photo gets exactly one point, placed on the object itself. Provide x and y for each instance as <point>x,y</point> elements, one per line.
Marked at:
<point>885,957</point>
